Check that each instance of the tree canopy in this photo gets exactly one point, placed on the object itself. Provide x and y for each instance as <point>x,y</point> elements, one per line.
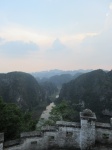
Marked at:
<point>62,111</point>
<point>13,121</point>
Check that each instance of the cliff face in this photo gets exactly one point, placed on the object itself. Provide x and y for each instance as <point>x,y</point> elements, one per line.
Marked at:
<point>21,88</point>
<point>93,89</point>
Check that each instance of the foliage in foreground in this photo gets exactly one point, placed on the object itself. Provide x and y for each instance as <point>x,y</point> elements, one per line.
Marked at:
<point>62,111</point>
<point>13,121</point>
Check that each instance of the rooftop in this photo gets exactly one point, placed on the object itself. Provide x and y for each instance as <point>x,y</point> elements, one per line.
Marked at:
<point>68,124</point>
<point>31,134</point>
<point>48,128</point>
<point>103,125</point>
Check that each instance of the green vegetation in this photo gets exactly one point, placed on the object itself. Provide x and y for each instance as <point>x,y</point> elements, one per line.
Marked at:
<point>13,121</point>
<point>93,90</point>
<point>62,111</point>
<point>22,89</point>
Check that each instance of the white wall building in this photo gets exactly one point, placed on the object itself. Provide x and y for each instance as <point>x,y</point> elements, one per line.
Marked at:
<point>88,134</point>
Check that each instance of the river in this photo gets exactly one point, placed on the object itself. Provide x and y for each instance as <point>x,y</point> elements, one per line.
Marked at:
<point>45,115</point>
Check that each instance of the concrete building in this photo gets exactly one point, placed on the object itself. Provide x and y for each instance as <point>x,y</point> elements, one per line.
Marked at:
<point>88,134</point>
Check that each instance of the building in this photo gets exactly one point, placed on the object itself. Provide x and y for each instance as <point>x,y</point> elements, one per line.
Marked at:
<point>88,134</point>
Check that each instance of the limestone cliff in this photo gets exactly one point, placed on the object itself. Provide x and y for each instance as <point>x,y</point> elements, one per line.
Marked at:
<point>21,88</point>
<point>93,90</point>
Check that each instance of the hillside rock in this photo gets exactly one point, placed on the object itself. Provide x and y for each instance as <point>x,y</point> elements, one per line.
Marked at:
<point>21,88</point>
<point>93,89</point>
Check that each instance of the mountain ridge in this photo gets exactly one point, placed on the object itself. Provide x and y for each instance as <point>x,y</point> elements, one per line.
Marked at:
<point>93,89</point>
<point>54,72</point>
<point>21,88</point>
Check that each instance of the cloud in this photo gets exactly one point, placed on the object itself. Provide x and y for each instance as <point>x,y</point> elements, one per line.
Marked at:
<point>110,6</point>
<point>97,50</point>
<point>57,49</point>
<point>58,46</point>
<point>17,49</point>
<point>1,40</point>
<point>108,21</point>
<point>58,55</point>
<point>14,32</point>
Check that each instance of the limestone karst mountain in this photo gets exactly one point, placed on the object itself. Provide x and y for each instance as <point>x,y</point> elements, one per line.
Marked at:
<point>51,73</point>
<point>58,80</point>
<point>21,88</point>
<point>93,90</point>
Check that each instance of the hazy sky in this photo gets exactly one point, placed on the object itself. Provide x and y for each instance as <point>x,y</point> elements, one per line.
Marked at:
<point>38,35</point>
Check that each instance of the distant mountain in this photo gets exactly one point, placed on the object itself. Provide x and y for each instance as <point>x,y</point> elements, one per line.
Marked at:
<point>52,85</point>
<point>59,80</point>
<point>57,77</point>
<point>21,88</point>
<point>50,90</point>
<point>92,90</point>
<point>48,74</point>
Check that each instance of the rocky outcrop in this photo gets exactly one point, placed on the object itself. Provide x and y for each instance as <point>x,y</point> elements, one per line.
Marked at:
<point>21,88</point>
<point>94,89</point>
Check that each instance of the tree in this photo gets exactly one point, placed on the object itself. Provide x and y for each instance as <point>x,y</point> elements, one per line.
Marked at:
<point>62,111</point>
<point>13,121</point>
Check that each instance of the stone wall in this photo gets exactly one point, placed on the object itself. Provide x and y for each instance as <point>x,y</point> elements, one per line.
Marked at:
<point>12,143</point>
<point>65,135</point>
<point>28,141</point>
<point>1,146</point>
<point>103,133</point>
<point>61,137</point>
<point>68,134</point>
<point>1,141</point>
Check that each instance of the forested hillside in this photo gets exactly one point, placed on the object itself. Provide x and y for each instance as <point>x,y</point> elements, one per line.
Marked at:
<point>91,90</point>
<point>58,80</point>
<point>22,89</point>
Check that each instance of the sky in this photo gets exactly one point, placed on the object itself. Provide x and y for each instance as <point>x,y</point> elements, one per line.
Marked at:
<point>37,35</point>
